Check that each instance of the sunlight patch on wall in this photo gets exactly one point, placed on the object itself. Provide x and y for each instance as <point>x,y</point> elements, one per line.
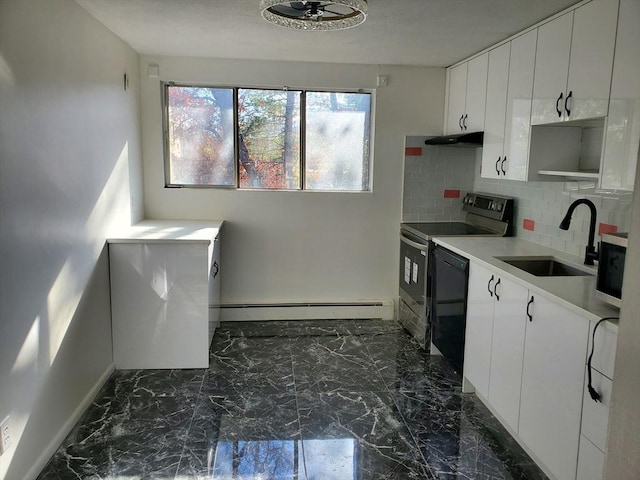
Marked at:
<point>28,355</point>
<point>112,209</point>
<point>6,73</point>
<point>62,303</point>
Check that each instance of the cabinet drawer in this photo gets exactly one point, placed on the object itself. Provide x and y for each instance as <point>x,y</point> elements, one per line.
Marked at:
<point>604,353</point>
<point>595,415</point>
<point>590,461</point>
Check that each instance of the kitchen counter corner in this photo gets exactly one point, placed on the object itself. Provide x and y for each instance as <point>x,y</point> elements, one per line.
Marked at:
<point>169,231</point>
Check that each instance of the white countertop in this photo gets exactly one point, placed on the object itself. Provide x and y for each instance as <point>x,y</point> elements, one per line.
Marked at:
<point>575,293</point>
<point>168,231</point>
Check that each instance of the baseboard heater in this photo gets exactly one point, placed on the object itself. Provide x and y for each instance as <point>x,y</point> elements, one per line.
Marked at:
<point>306,310</point>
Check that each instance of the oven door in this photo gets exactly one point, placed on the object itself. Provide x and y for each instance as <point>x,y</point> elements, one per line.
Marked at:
<point>414,279</point>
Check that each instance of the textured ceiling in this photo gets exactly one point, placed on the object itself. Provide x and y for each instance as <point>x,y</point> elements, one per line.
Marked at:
<point>397,32</point>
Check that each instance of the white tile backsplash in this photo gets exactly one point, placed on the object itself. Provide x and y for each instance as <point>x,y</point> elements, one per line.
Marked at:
<point>546,204</point>
<point>428,175</point>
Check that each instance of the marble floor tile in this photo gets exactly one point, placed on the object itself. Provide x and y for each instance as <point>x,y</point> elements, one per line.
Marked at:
<point>293,400</point>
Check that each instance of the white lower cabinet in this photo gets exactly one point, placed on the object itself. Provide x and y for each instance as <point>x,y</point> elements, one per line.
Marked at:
<point>494,340</point>
<point>509,322</point>
<point>595,415</point>
<point>477,346</point>
<point>160,297</point>
<point>214,289</point>
<point>525,356</point>
<point>590,461</point>
<point>552,386</point>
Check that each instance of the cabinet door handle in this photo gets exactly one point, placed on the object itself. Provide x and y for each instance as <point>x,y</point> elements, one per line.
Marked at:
<point>460,121</point>
<point>529,306</point>
<point>558,105</point>
<point>216,269</point>
<point>489,286</point>
<point>566,103</point>
<point>497,163</point>
<point>495,289</point>
<point>502,166</point>
<point>464,121</point>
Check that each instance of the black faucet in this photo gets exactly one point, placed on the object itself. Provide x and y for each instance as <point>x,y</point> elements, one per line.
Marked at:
<point>591,254</point>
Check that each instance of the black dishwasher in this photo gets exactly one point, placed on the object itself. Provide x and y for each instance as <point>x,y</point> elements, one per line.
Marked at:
<point>450,275</point>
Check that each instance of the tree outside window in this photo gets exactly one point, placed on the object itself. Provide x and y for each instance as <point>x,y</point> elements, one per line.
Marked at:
<point>265,139</point>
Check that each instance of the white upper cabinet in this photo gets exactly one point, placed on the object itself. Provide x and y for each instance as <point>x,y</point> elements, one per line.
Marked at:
<point>622,136</point>
<point>467,96</point>
<point>476,94</point>
<point>592,47</point>
<point>505,151</point>
<point>573,64</point>
<point>456,99</point>
<point>551,70</point>
<point>496,110</point>
<point>518,117</point>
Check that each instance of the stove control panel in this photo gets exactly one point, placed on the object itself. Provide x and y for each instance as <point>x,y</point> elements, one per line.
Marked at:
<point>489,205</point>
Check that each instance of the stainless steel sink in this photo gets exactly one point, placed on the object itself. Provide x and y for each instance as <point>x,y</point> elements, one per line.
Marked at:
<point>544,267</point>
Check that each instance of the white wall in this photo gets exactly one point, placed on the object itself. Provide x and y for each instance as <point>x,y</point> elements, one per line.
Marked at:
<point>623,448</point>
<point>301,246</point>
<point>70,170</point>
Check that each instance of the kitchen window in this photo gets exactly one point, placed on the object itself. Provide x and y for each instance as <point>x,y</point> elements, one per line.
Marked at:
<point>251,138</point>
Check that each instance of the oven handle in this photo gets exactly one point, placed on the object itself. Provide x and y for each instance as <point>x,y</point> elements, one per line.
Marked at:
<point>419,246</point>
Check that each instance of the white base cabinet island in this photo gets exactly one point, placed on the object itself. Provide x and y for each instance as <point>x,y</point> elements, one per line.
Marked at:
<point>165,278</point>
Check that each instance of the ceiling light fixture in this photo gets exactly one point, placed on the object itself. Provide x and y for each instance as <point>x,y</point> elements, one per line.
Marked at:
<point>305,15</point>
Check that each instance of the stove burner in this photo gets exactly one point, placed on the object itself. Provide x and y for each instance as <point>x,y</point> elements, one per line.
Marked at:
<point>447,228</point>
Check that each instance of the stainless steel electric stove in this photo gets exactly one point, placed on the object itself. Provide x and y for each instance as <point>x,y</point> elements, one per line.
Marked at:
<point>486,215</point>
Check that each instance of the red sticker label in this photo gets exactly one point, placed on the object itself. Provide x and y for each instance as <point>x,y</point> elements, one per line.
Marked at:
<point>528,224</point>
<point>452,194</point>
<point>606,228</point>
<point>413,151</point>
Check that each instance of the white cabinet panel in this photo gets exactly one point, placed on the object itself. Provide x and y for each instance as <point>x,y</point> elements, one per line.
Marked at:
<point>494,120</point>
<point>477,348</point>
<point>573,64</point>
<point>622,136</point>
<point>518,114</point>
<point>214,289</point>
<point>505,152</point>
<point>466,96</point>
<point>159,303</point>
<point>590,461</point>
<point>592,46</point>
<point>595,415</point>
<point>456,99</point>
<point>552,385</point>
<point>604,353</point>
<point>551,70</point>
<point>509,323</point>
<point>476,94</point>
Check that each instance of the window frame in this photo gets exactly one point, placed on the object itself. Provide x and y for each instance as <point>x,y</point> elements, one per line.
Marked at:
<point>164,88</point>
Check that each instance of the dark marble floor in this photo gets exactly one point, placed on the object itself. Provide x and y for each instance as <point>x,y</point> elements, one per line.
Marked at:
<point>324,400</point>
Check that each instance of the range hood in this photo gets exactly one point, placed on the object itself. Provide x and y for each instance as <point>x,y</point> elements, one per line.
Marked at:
<point>473,139</point>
